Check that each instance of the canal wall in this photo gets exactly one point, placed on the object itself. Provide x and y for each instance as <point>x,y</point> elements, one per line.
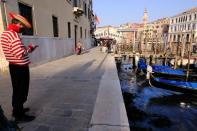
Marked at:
<point>109,111</point>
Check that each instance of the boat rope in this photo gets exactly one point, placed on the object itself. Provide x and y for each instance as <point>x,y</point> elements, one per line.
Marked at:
<point>150,83</point>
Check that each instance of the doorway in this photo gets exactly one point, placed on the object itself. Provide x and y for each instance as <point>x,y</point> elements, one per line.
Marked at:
<point>76,28</point>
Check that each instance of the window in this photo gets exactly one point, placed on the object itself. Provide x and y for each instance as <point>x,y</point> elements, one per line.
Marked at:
<point>85,8</point>
<point>69,30</point>
<point>26,11</point>
<point>187,38</point>
<point>194,26</point>
<point>172,21</point>
<point>174,38</point>
<point>174,28</point>
<point>81,32</point>
<point>89,14</point>
<point>85,33</point>
<point>193,37</point>
<point>190,17</point>
<point>75,3</point>
<point>188,27</point>
<point>80,4</point>
<point>55,26</point>
<point>178,40</point>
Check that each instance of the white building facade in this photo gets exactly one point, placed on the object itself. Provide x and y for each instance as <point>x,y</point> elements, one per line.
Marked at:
<point>183,31</point>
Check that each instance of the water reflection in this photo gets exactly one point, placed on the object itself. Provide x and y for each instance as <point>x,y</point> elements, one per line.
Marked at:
<point>150,108</point>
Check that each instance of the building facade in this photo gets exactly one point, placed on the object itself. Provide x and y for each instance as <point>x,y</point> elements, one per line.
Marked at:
<point>127,34</point>
<point>57,25</point>
<point>158,33</point>
<point>183,32</point>
<point>152,36</point>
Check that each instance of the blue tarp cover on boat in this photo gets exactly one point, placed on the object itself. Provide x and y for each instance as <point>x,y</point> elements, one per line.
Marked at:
<point>160,66</point>
<point>142,64</point>
<point>170,71</point>
<point>178,83</point>
<point>167,69</point>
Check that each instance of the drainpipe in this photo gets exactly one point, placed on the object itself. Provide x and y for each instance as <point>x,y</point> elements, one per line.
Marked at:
<point>4,14</point>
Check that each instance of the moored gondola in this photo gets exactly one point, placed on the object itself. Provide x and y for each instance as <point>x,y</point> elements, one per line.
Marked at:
<point>174,85</point>
<point>175,74</point>
<point>168,72</point>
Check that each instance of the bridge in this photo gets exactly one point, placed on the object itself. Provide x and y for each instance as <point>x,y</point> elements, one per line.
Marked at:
<point>126,30</point>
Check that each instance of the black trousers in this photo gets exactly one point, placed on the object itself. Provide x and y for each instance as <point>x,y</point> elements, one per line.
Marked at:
<point>20,82</point>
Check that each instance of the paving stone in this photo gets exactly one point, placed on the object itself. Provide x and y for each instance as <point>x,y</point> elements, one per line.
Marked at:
<point>43,128</point>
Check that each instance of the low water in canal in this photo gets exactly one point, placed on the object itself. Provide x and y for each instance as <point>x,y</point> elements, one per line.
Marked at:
<point>155,109</point>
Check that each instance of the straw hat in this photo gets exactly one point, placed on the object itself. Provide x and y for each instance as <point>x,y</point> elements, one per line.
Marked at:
<point>21,19</point>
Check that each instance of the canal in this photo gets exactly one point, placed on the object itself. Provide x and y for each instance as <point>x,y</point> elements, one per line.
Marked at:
<point>155,109</point>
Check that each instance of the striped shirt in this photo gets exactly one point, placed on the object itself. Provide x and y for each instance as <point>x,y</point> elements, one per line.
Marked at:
<point>14,50</point>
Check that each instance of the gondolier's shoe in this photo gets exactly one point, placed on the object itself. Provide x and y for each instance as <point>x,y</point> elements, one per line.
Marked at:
<point>26,109</point>
<point>20,111</point>
<point>23,118</point>
<point>20,116</point>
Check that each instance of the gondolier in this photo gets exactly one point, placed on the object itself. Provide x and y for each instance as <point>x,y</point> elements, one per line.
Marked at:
<point>17,55</point>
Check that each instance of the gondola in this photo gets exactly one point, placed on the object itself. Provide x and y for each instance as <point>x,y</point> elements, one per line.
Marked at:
<point>176,74</point>
<point>142,66</point>
<point>174,85</point>
<point>166,71</point>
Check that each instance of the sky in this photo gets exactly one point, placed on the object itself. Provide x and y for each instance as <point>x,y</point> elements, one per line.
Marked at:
<point>116,12</point>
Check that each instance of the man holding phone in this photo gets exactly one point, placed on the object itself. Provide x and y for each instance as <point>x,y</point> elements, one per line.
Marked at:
<point>17,55</point>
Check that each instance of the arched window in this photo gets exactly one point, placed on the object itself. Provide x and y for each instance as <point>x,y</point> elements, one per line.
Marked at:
<point>194,26</point>
<point>187,38</point>
<point>174,38</point>
<point>192,37</point>
<point>188,26</point>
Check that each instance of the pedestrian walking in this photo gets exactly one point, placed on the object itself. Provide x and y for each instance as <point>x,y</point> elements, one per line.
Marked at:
<point>17,56</point>
<point>79,48</point>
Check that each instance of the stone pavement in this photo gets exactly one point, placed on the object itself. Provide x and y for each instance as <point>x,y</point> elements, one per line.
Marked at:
<point>75,93</point>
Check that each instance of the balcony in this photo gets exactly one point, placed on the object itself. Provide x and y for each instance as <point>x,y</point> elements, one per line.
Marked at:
<point>78,11</point>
